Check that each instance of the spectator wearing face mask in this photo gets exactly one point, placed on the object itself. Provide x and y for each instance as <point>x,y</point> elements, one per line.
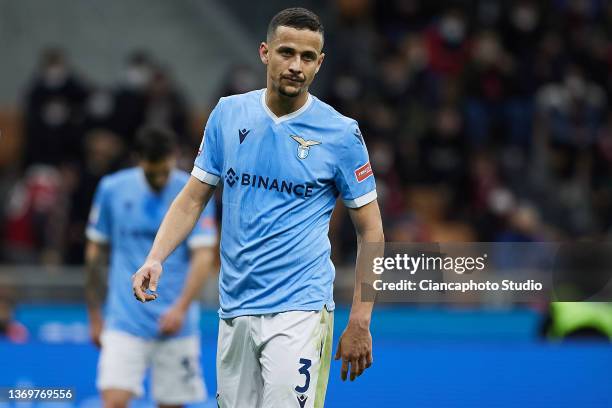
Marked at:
<point>54,111</point>
<point>166,107</point>
<point>487,82</point>
<point>131,95</point>
<point>447,45</point>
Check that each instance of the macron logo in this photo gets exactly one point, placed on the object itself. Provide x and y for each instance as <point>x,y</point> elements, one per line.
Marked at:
<point>242,134</point>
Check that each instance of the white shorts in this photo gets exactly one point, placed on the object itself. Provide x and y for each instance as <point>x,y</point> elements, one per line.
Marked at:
<point>274,361</point>
<point>176,377</point>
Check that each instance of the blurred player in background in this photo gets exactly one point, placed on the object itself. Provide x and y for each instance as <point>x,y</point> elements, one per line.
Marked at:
<point>285,157</point>
<point>128,208</point>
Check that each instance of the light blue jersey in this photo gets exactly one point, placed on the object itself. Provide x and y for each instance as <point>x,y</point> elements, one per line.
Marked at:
<point>126,214</point>
<point>281,177</point>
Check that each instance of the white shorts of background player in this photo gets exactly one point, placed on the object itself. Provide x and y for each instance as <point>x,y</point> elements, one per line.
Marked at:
<point>175,363</point>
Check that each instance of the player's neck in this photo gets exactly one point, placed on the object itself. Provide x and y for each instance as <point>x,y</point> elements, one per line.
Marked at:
<point>282,105</point>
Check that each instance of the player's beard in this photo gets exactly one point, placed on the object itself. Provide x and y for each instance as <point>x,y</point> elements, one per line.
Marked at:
<point>289,91</point>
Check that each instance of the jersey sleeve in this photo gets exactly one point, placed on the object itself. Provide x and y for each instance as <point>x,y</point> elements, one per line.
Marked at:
<point>208,162</point>
<point>99,223</point>
<point>354,177</point>
<point>204,234</point>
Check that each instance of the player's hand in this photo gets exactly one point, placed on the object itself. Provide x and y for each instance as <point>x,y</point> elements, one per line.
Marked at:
<point>355,348</point>
<point>95,332</point>
<point>172,321</point>
<point>145,278</point>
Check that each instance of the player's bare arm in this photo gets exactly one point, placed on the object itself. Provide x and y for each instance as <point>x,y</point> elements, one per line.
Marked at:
<point>177,224</point>
<point>200,269</point>
<point>96,257</point>
<point>355,344</point>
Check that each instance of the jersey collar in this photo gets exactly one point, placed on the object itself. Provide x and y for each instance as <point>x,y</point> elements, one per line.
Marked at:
<point>288,116</point>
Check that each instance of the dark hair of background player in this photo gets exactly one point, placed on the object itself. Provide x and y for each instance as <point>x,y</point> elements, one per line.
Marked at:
<point>155,143</point>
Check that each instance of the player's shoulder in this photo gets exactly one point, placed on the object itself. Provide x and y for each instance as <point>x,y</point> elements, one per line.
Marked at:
<point>330,113</point>
<point>121,178</point>
<point>231,101</point>
<point>343,127</point>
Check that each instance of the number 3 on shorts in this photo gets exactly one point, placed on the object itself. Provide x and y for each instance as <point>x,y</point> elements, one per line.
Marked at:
<point>306,363</point>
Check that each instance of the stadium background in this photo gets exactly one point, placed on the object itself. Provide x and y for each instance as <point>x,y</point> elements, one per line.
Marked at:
<point>485,121</point>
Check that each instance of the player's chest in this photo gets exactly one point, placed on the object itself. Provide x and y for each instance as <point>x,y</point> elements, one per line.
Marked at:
<point>138,215</point>
<point>276,150</point>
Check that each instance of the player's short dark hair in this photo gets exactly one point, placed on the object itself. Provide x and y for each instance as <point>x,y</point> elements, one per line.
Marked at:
<point>295,17</point>
<point>155,143</point>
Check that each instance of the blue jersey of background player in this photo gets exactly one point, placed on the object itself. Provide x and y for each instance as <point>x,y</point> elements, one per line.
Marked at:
<point>127,210</point>
<point>283,157</point>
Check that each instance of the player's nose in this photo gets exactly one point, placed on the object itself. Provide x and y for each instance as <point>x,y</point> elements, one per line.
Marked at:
<point>295,65</point>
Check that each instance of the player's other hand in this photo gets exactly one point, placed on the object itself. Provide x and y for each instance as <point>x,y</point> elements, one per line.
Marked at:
<point>355,349</point>
<point>145,278</point>
<point>172,321</point>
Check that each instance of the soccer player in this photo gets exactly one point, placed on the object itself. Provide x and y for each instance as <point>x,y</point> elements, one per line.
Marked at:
<point>127,211</point>
<point>283,157</point>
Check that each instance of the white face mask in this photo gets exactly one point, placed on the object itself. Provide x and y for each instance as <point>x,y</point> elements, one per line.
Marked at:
<point>452,29</point>
<point>525,18</point>
<point>576,86</point>
<point>347,87</point>
<point>55,113</point>
<point>383,157</point>
<point>137,77</point>
<point>501,201</point>
<point>55,76</point>
<point>100,104</point>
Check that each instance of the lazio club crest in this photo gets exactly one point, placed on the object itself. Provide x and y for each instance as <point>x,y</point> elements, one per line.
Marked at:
<point>304,146</point>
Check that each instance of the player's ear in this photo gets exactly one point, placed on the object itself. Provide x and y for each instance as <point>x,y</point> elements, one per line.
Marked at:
<point>264,52</point>
<point>319,62</point>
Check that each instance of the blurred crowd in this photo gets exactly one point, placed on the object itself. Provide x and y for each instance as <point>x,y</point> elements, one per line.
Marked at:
<point>75,132</point>
<point>485,121</point>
